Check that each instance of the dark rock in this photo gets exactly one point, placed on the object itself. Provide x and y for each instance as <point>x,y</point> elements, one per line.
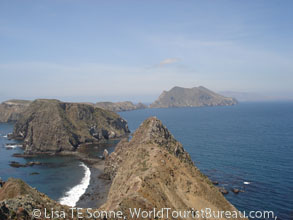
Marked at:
<point>215,182</point>
<point>236,191</point>
<point>16,164</point>
<point>1,183</point>
<point>32,163</point>
<point>24,155</point>
<point>223,191</point>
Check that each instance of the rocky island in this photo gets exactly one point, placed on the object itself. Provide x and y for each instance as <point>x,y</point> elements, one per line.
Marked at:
<point>152,170</point>
<point>191,97</point>
<point>120,106</point>
<point>52,126</point>
<point>10,110</point>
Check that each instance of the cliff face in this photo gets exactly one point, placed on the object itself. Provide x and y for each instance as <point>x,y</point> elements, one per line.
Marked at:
<point>120,106</point>
<point>193,97</point>
<point>54,126</point>
<point>152,170</point>
<point>10,110</point>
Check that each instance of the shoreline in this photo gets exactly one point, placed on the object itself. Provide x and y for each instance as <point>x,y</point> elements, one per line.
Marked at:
<point>97,191</point>
<point>98,188</point>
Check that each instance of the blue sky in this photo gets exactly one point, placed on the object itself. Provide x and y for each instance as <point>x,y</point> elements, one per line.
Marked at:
<point>91,50</point>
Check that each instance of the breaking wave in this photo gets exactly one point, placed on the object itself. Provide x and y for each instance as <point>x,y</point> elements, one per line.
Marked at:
<point>72,196</point>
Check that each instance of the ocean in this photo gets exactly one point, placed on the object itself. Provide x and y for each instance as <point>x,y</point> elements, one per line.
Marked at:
<point>246,143</point>
<point>248,146</point>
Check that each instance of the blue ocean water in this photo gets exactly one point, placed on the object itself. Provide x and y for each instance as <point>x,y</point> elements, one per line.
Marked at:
<point>57,175</point>
<point>249,142</point>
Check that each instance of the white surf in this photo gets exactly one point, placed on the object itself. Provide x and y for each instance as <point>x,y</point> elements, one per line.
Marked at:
<point>72,196</point>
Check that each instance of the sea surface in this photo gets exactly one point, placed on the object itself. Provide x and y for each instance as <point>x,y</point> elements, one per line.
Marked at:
<point>248,146</point>
<point>248,143</point>
<point>62,178</point>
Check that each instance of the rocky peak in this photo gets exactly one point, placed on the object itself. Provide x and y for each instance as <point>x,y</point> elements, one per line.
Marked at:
<point>152,170</point>
<point>152,131</point>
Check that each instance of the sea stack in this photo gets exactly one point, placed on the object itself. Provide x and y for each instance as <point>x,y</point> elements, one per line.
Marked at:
<point>191,97</point>
<point>55,126</point>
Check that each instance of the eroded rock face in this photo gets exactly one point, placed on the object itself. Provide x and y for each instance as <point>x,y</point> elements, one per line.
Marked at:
<point>152,170</point>
<point>10,110</point>
<point>191,97</point>
<point>120,106</point>
<point>54,126</point>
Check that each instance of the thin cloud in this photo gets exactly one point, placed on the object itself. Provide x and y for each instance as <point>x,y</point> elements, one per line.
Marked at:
<point>168,61</point>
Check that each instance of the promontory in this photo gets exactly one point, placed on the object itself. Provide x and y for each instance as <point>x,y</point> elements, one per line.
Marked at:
<point>191,97</point>
<point>55,126</point>
<point>152,171</point>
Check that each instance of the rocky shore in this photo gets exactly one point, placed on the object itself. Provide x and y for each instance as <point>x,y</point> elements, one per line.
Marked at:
<point>97,191</point>
<point>152,170</point>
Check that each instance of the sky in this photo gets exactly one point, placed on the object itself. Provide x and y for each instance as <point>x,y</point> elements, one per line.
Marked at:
<point>94,50</point>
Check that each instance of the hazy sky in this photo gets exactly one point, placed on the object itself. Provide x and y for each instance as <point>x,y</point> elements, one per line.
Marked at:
<point>93,50</point>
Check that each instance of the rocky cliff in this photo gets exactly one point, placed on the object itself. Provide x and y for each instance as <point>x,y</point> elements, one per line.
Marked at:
<point>54,126</point>
<point>193,97</point>
<point>120,106</point>
<point>153,170</point>
<point>18,200</point>
<point>10,110</point>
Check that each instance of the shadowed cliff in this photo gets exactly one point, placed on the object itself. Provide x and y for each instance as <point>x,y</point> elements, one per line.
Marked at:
<point>54,126</point>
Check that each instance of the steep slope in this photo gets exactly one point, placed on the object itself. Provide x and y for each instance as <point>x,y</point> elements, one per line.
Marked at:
<point>152,170</point>
<point>193,97</point>
<point>53,126</point>
<point>120,106</point>
<point>18,200</point>
<point>10,110</point>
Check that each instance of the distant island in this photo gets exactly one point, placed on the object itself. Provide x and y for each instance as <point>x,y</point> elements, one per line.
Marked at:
<point>191,97</point>
<point>11,110</point>
<point>120,106</point>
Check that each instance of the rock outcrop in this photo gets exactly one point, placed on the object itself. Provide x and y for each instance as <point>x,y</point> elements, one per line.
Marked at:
<point>153,170</point>
<point>191,97</point>
<point>120,106</point>
<point>10,110</point>
<point>18,200</point>
<point>54,126</point>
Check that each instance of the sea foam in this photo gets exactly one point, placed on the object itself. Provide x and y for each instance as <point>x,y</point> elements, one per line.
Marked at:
<point>13,146</point>
<point>72,196</point>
